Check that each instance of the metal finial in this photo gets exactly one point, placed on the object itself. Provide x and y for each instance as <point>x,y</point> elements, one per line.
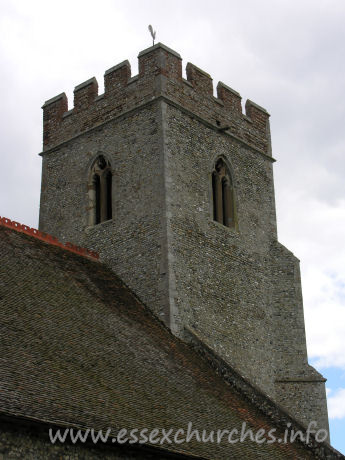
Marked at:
<point>153,34</point>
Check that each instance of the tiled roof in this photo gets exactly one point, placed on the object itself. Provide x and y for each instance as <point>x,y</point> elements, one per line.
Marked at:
<point>78,348</point>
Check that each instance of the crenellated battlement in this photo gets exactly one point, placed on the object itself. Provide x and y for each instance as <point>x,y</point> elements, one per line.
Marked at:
<point>160,76</point>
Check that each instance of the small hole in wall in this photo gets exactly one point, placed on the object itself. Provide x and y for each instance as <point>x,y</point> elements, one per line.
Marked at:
<point>218,122</point>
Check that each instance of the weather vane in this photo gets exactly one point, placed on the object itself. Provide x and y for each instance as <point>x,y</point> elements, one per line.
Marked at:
<point>153,34</point>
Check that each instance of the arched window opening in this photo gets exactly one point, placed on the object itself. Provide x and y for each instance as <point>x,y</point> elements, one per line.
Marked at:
<point>223,196</point>
<point>97,208</point>
<point>100,191</point>
<point>214,194</point>
<point>109,178</point>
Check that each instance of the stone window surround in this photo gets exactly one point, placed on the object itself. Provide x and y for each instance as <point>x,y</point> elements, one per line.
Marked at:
<point>223,200</point>
<point>100,191</point>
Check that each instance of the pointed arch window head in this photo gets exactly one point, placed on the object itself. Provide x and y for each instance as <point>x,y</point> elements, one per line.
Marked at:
<point>100,191</point>
<point>223,195</point>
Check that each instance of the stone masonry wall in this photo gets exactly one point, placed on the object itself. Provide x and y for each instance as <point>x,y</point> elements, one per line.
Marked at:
<point>31,441</point>
<point>222,276</point>
<point>238,289</point>
<point>133,242</point>
<point>295,380</point>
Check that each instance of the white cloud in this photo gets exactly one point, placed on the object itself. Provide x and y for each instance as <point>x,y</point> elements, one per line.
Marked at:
<point>336,404</point>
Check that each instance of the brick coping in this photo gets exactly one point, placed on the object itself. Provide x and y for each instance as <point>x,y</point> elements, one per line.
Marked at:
<point>47,238</point>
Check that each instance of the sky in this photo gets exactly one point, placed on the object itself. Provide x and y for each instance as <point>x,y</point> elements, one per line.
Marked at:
<point>287,56</point>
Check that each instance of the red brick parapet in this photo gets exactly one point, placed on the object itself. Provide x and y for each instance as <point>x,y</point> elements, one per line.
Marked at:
<point>160,75</point>
<point>4,222</point>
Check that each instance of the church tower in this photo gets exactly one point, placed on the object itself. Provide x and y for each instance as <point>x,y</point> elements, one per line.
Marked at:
<point>174,188</point>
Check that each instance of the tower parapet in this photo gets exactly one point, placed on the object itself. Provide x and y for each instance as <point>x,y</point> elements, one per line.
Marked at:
<point>160,76</point>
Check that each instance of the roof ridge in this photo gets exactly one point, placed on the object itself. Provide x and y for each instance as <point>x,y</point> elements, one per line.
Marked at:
<point>47,238</point>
